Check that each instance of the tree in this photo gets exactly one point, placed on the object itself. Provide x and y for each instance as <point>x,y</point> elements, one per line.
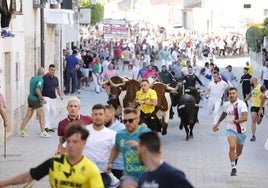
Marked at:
<point>254,38</point>
<point>97,11</point>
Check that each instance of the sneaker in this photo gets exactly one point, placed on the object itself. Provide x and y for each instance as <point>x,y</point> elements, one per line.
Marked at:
<point>45,134</point>
<point>233,172</point>
<point>253,138</point>
<point>6,33</point>
<point>114,181</point>
<point>49,130</point>
<point>22,133</point>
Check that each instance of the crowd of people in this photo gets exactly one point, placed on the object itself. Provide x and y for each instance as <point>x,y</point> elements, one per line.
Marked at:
<point>128,153</point>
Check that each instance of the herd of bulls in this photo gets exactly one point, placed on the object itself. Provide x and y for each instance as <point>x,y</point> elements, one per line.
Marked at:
<point>123,93</point>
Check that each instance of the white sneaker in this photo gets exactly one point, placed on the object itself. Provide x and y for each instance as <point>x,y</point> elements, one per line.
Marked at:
<point>114,181</point>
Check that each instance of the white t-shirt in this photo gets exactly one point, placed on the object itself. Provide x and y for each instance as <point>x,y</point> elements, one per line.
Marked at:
<point>99,145</point>
<point>217,90</point>
<point>239,106</point>
<point>265,72</point>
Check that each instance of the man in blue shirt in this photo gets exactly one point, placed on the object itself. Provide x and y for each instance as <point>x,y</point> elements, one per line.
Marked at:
<point>71,64</point>
<point>51,84</point>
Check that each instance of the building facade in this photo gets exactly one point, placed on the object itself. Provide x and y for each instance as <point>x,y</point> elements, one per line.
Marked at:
<point>21,56</point>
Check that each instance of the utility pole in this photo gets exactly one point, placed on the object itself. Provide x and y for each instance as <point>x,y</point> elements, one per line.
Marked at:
<point>42,34</point>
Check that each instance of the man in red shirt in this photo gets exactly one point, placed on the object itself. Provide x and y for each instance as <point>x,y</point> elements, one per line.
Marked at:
<point>73,108</point>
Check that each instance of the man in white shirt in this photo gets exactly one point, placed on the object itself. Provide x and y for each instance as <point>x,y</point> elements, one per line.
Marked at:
<point>216,89</point>
<point>236,113</point>
<point>264,74</point>
<point>100,142</point>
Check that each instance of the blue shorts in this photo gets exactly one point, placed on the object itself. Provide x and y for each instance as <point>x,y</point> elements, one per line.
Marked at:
<point>240,137</point>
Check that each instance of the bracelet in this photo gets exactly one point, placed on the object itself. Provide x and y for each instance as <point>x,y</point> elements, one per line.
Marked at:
<point>110,162</point>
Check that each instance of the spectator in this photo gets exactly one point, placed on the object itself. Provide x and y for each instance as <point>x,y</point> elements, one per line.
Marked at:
<point>71,65</point>
<point>35,102</point>
<point>5,20</point>
<point>51,84</point>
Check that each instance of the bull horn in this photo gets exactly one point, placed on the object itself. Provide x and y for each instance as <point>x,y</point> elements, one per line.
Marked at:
<point>151,81</point>
<point>181,106</point>
<point>187,90</point>
<point>103,83</point>
<point>173,89</point>
<point>116,85</point>
<point>125,79</point>
<point>198,105</point>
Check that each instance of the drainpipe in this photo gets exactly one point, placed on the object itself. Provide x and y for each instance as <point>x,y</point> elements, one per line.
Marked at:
<point>42,34</point>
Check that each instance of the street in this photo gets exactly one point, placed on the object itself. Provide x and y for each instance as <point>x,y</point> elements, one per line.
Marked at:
<point>204,159</point>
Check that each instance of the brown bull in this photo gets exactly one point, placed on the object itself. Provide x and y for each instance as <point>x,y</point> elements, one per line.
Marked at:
<point>128,94</point>
<point>114,92</point>
<point>163,103</point>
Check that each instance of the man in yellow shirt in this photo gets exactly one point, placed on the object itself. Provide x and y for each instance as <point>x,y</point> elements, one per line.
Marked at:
<point>66,170</point>
<point>257,102</point>
<point>147,99</point>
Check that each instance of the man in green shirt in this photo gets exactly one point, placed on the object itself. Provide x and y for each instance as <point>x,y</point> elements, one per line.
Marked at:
<point>35,102</point>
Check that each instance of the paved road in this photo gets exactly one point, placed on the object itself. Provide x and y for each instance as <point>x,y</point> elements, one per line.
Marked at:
<point>204,158</point>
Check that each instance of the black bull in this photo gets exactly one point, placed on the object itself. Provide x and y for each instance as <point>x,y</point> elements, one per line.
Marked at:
<point>188,106</point>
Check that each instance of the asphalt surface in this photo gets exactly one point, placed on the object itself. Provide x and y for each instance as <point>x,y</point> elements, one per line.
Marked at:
<point>204,159</point>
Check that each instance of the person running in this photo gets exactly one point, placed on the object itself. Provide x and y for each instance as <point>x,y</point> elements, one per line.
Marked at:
<point>100,143</point>
<point>70,168</point>
<point>236,113</point>
<point>51,83</point>
<point>35,102</point>
<point>112,123</point>
<point>245,81</point>
<point>257,105</point>
<point>216,89</point>
<point>159,173</point>
<point>133,168</point>
<point>147,99</point>
<point>73,108</point>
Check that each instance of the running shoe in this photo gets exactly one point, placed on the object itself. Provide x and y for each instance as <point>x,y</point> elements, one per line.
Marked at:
<point>253,138</point>
<point>22,133</point>
<point>233,172</point>
<point>45,134</point>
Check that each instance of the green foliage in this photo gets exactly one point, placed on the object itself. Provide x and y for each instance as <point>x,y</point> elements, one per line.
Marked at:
<point>265,31</point>
<point>254,38</point>
<point>97,11</point>
<point>265,22</point>
<point>85,3</point>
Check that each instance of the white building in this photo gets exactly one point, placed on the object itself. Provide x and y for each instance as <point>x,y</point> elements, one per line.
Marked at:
<point>21,56</point>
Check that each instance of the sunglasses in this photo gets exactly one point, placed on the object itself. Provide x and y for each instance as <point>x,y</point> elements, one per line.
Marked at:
<point>128,120</point>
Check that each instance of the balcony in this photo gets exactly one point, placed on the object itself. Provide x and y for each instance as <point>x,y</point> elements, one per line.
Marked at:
<point>59,16</point>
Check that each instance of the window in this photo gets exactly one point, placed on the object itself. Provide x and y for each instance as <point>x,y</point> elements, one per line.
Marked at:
<point>247,5</point>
